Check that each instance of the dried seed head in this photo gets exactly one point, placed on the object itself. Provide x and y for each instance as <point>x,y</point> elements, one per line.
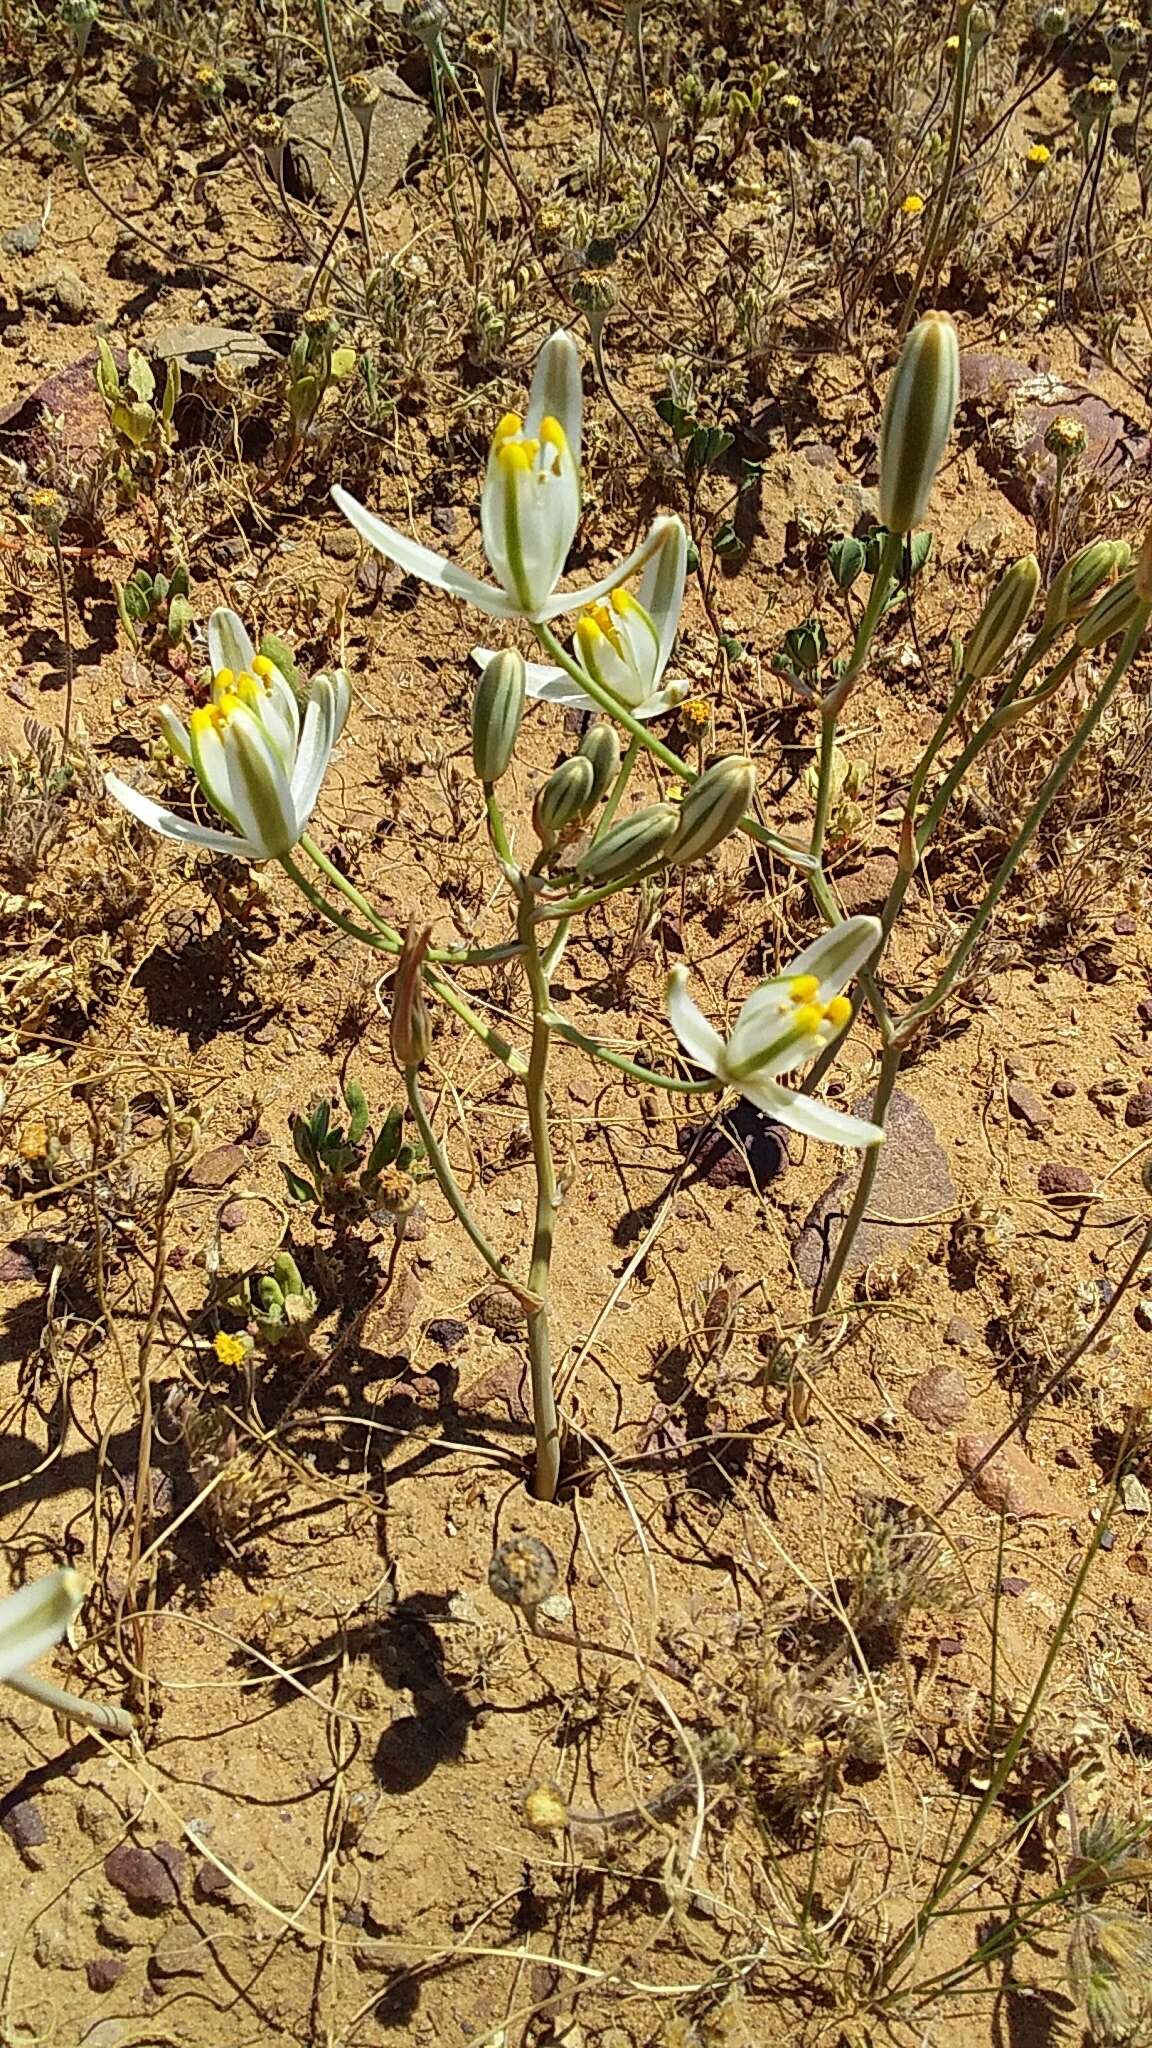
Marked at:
<point>395,1190</point>
<point>594,292</point>
<point>552,222</point>
<point>523,1572</point>
<point>661,110</point>
<point>1053,21</point>
<point>46,510</point>
<point>484,50</point>
<point>267,129</point>
<point>545,1810</point>
<point>361,92</point>
<point>1066,438</point>
<point>71,135</point>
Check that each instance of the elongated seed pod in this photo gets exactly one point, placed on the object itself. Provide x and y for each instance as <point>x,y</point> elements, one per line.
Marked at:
<point>601,746</point>
<point>565,797</point>
<point>497,709</point>
<point>631,845</point>
<point>1004,615</point>
<point>919,409</point>
<point>713,807</point>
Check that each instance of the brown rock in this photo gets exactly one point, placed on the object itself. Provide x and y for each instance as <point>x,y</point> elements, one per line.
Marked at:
<point>148,1878</point>
<point>103,1972</point>
<point>1026,1105</point>
<point>1138,1108</point>
<point>939,1398</point>
<point>399,124</point>
<point>1063,1090</point>
<point>912,1180</point>
<point>1010,1483</point>
<point>180,1952</point>
<point>215,1169</point>
<point>1064,1183</point>
<point>962,1335</point>
<point>865,890</point>
<point>500,1310</point>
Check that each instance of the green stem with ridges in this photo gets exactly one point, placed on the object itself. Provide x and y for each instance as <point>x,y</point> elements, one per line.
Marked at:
<point>451,1190</point>
<point>544,1417</point>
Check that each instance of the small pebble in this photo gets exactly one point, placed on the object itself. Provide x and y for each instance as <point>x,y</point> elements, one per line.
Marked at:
<point>23,1823</point>
<point>1063,1090</point>
<point>1026,1106</point>
<point>103,1972</point>
<point>1059,1181</point>
<point>148,1878</point>
<point>1138,1108</point>
<point>939,1397</point>
<point>446,1333</point>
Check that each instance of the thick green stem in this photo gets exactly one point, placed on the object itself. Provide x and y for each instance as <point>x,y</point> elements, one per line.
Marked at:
<point>648,740</point>
<point>496,831</point>
<point>961,81</point>
<point>89,1713</point>
<point>544,1416</point>
<point>452,1192</point>
<point>496,1043</point>
<point>849,1231</point>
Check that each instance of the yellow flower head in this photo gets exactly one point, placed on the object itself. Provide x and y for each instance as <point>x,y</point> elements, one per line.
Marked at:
<point>695,713</point>
<point>1038,155</point>
<point>913,204</point>
<point>230,1351</point>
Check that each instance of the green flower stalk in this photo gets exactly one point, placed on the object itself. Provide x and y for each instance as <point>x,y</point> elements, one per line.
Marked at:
<point>918,413</point>
<point>1005,615</point>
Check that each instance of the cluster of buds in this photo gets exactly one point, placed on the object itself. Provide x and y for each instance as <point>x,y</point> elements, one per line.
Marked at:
<point>287,1309</point>
<point>139,424</point>
<point>1073,592</point>
<point>315,364</point>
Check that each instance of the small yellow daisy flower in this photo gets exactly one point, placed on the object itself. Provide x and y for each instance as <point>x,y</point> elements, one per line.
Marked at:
<point>696,713</point>
<point>229,1350</point>
<point>1038,156</point>
<point>913,204</point>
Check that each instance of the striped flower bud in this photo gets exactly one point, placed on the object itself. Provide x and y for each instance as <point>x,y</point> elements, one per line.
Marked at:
<point>565,797</point>
<point>1081,578</point>
<point>1004,615</point>
<point>1111,614</point>
<point>601,746</point>
<point>410,1034</point>
<point>713,807</point>
<point>631,845</point>
<point>918,412</point>
<point>497,709</point>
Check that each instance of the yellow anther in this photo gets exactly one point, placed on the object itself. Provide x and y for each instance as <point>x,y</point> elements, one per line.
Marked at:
<point>803,988</point>
<point>509,427</point>
<point>513,455</point>
<point>588,631</point>
<point>223,679</point>
<point>623,602</point>
<point>552,433</point>
<point>807,1016</point>
<point>249,692</point>
<point>213,717</point>
<point>262,667</point>
<point>838,1012</point>
<point>531,450</point>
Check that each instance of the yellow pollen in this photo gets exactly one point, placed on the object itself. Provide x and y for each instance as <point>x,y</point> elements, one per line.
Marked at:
<point>223,679</point>
<point>249,692</point>
<point>531,450</point>
<point>552,433</point>
<point>807,1017</point>
<point>509,427</point>
<point>837,1012</point>
<point>513,455</point>
<point>213,717</point>
<point>622,602</point>
<point>262,667</point>
<point>803,988</point>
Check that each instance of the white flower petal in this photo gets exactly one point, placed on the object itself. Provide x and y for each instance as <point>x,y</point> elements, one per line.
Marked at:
<point>837,956</point>
<point>229,642</point>
<point>703,1045</point>
<point>661,589</point>
<point>35,1617</point>
<point>572,600</point>
<point>557,391</point>
<point>422,562</point>
<point>811,1118</point>
<point>176,733</point>
<point>260,794</point>
<point>663,700</point>
<point>171,827</point>
<point>316,743</point>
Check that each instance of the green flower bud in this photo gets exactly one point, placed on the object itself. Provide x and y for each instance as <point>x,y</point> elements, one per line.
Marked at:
<point>713,807</point>
<point>565,797</point>
<point>1002,618</point>
<point>918,412</point>
<point>1079,580</point>
<point>410,1034</point>
<point>601,746</point>
<point>631,845</point>
<point>1111,614</point>
<point>497,709</point>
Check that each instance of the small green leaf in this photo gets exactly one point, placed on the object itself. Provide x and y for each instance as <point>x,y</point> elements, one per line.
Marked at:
<point>300,1190</point>
<point>357,1104</point>
<point>387,1144</point>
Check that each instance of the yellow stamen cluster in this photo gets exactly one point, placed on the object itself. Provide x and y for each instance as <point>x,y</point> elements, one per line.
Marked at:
<point>515,453</point>
<point>598,623</point>
<point>809,1014</point>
